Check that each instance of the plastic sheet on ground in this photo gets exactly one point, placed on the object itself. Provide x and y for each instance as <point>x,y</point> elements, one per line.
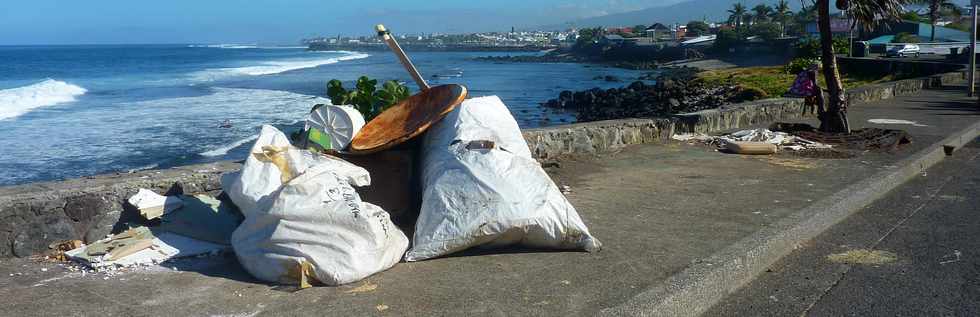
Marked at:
<point>783,140</point>
<point>482,188</point>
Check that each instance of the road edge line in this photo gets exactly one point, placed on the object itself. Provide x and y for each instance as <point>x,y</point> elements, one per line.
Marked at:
<point>700,286</point>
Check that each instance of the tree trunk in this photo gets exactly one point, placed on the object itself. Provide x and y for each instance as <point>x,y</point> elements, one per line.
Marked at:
<point>835,118</point>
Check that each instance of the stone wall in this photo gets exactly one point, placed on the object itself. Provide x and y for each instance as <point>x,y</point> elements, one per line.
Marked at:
<point>34,215</point>
<point>599,136</point>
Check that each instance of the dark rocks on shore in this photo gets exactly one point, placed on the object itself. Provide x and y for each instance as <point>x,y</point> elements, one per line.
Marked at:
<point>547,58</point>
<point>638,100</point>
<point>609,78</point>
<point>636,65</point>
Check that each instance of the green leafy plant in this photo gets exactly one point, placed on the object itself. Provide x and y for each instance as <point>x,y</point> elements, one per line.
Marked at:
<point>798,65</point>
<point>810,46</point>
<point>365,97</point>
<point>905,37</point>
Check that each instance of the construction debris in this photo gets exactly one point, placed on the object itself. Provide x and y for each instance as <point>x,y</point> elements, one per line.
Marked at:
<point>750,148</point>
<point>204,218</point>
<point>56,251</point>
<point>140,246</point>
<point>896,121</point>
<point>152,205</point>
<point>757,141</point>
<point>860,139</point>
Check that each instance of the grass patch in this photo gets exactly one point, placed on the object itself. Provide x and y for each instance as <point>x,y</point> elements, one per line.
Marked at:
<point>775,82</point>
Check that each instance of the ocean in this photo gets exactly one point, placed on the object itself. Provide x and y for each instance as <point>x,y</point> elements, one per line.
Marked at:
<point>72,111</point>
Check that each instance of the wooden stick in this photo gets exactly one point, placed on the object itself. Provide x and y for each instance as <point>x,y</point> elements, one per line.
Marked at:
<point>390,40</point>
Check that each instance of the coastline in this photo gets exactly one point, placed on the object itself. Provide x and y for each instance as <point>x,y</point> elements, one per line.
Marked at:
<point>426,48</point>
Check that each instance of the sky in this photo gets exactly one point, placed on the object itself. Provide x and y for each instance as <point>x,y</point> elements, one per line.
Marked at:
<point>32,22</point>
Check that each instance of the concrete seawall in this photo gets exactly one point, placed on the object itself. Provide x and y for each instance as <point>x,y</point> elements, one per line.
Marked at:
<point>34,215</point>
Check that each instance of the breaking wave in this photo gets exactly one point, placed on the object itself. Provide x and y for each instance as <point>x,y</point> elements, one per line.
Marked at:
<point>273,67</point>
<point>224,149</point>
<point>243,46</point>
<point>18,101</point>
<point>229,46</point>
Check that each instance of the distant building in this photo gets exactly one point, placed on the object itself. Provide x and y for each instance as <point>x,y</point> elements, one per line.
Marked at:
<point>706,40</point>
<point>641,41</point>
<point>840,26</point>
<point>679,32</point>
<point>614,39</point>
<point>658,31</point>
<point>623,30</point>
<point>922,30</point>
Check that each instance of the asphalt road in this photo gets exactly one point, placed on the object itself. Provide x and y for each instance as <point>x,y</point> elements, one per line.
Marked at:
<point>916,252</point>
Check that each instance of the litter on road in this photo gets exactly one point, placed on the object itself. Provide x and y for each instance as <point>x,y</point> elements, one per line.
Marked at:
<point>140,246</point>
<point>331,127</point>
<point>755,141</point>
<point>152,205</point>
<point>204,218</point>
<point>312,225</point>
<point>896,121</point>
<point>481,187</point>
<point>293,214</point>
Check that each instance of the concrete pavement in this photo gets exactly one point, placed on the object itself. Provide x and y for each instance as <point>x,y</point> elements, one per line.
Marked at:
<point>659,210</point>
<point>929,224</point>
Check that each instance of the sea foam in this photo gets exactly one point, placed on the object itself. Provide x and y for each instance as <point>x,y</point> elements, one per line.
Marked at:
<point>18,101</point>
<point>224,149</point>
<point>226,46</point>
<point>274,67</point>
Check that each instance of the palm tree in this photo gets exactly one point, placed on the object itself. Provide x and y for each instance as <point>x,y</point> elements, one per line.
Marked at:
<point>736,14</point>
<point>762,12</point>
<point>806,15</point>
<point>867,13</point>
<point>780,13</point>
<point>936,7</point>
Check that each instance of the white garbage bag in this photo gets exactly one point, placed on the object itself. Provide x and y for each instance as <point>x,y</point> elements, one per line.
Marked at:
<point>481,187</point>
<point>301,207</point>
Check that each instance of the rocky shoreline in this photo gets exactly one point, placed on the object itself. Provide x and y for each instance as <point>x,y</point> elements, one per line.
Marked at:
<point>676,91</point>
<point>546,58</point>
<point>568,58</point>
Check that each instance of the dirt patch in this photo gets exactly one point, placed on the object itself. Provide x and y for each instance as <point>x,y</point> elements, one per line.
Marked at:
<point>822,154</point>
<point>863,256</point>
<point>794,164</point>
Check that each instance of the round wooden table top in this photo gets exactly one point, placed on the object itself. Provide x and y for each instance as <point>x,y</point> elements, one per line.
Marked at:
<point>407,119</point>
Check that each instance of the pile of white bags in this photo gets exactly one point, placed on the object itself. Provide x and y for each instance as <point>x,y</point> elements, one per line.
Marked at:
<point>483,188</point>
<point>301,207</point>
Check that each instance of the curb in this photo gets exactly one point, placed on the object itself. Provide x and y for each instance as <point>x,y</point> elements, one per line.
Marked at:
<point>700,286</point>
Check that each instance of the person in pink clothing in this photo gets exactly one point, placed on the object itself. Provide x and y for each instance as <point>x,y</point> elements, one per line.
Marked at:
<point>806,86</point>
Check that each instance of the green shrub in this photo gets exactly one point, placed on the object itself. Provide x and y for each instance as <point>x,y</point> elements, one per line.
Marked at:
<point>365,97</point>
<point>728,38</point>
<point>698,28</point>
<point>798,65</point>
<point>810,46</point>
<point>768,31</point>
<point>905,37</point>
